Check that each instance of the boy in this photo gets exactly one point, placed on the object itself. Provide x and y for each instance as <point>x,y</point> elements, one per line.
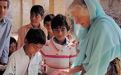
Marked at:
<point>26,60</point>
<point>47,23</point>
<point>36,16</point>
<point>58,52</point>
<point>13,45</point>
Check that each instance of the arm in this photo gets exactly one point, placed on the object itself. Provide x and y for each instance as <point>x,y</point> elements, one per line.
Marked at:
<point>5,53</point>
<point>72,56</point>
<point>10,70</point>
<point>4,58</point>
<point>72,60</point>
<point>74,70</point>
<point>21,35</point>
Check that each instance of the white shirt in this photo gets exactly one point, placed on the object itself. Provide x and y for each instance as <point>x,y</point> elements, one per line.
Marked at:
<point>19,63</point>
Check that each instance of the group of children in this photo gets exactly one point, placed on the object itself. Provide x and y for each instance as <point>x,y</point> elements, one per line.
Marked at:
<point>50,49</point>
<point>42,49</point>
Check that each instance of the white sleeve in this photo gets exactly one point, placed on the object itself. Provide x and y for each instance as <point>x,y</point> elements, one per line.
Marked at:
<point>40,63</point>
<point>10,70</point>
<point>73,56</point>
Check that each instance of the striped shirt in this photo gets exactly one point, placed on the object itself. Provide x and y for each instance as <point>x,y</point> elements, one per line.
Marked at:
<point>58,56</point>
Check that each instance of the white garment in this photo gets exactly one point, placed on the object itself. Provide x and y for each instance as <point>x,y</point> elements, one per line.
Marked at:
<point>19,63</point>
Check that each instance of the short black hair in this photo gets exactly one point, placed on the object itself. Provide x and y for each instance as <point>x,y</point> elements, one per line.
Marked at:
<point>37,9</point>
<point>59,21</point>
<point>36,36</point>
<point>12,40</point>
<point>48,18</point>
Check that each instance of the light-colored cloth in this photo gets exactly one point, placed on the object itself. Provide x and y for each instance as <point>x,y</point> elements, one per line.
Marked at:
<point>2,67</point>
<point>5,27</point>
<point>100,43</point>
<point>58,57</point>
<point>19,64</point>
<point>23,31</point>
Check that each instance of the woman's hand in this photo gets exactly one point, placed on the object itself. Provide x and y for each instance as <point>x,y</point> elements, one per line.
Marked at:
<point>83,71</point>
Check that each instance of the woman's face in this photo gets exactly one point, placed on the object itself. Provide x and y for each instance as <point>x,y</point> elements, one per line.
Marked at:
<point>80,15</point>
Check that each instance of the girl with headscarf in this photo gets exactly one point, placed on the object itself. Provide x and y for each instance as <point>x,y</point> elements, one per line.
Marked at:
<point>99,37</point>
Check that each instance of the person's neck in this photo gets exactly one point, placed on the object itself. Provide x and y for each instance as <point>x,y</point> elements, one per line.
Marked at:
<point>34,26</point>
<point>62,42</point>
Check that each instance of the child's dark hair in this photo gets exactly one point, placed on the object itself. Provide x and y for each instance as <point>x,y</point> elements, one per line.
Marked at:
<point>48,18</point>
<point>12,40</point>
<point>36,36</point>
<point>59,21</point>
<point>37,9</point>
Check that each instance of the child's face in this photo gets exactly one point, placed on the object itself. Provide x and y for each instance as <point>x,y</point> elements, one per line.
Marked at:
<point>35,19</point>
<point>60,33</point>
<point>36,47</point>
<point>48,26</point>
<point>12,47</point>
<point>3,9</point>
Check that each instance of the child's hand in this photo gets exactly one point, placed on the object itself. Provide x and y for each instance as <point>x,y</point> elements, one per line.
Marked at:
<point>60,73</point>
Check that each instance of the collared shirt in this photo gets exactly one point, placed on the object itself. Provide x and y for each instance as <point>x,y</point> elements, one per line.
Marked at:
<point>20,64</point>
<point>5,27</point>
<point>58,57</point>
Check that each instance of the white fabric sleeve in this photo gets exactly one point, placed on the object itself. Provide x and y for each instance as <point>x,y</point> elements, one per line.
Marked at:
<point>10,70</point>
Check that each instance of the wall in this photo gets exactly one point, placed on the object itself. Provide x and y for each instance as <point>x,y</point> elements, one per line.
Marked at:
<point>44,3</point>
<point>59,7</point>
<point>19,10</point>
<point>14,14</point>
<point>113,8</point>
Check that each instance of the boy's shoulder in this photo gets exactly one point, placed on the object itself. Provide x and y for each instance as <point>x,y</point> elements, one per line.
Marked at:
<point>46,46</point>
<point>47,43</point>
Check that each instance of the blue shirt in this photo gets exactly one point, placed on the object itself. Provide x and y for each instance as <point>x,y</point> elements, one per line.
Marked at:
<point>5,27</point>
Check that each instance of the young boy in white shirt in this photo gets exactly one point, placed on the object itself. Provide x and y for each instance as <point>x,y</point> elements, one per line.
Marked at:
<point>27,60</point>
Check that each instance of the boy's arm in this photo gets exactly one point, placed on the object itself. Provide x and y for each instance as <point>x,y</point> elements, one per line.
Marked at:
<point>10,70</point>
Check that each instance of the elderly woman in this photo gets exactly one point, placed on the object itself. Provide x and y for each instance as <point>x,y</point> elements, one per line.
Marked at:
<point>99,37</point>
